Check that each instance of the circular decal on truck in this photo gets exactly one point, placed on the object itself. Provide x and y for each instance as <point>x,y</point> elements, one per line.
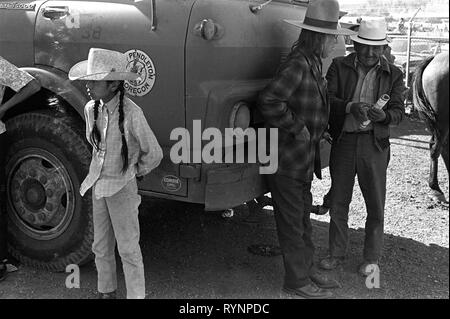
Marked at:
<point>171,183</point>
<point>140,62</point>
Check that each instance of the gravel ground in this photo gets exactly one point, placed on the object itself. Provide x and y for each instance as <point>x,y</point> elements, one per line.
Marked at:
<point>192,254</point>
<point>415,261</point>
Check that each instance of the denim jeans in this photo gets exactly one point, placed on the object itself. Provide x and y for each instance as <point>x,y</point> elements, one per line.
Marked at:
<point>356,155</point>
<point>116,219</point>
<point>292,203</point>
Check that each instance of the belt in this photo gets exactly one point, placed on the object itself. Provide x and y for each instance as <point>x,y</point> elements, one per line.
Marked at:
<point>360,132</point>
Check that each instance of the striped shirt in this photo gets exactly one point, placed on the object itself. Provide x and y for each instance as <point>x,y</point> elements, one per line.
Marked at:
<point>144,152</point>
<point>13,77</point>
<point>365,91</point>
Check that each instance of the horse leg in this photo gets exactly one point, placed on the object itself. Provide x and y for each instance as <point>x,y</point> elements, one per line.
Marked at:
<point>444,153</point>
<point>436,192</point>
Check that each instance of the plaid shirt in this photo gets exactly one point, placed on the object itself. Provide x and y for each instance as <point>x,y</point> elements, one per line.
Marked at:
<point>296,102</point>
<point>144,152</point>
<point>13,77</point>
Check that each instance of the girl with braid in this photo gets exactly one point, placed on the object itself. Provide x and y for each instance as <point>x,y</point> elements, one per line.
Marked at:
<point>124,148</point>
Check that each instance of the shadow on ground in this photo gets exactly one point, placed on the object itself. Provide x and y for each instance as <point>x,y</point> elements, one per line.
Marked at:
<point>193,254</point>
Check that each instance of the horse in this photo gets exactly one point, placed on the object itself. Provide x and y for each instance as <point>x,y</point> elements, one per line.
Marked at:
<point>430,98</point>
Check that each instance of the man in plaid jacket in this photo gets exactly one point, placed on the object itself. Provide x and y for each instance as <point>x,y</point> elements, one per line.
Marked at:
<point>296,102</point>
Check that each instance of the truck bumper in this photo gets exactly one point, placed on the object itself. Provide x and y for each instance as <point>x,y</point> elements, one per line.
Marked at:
<point>228,187</point>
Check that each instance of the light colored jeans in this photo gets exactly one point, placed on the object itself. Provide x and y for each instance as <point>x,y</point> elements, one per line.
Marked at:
<point>116,218</point>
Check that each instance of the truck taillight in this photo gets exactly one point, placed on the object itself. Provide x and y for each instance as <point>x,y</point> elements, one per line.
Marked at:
<point>240,116</point>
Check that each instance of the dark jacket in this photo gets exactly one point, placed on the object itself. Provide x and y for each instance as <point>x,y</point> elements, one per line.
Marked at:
<point>296,102</point>
<point>342,77</point>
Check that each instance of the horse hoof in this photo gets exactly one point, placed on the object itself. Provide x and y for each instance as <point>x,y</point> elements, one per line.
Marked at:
<point>438,196</point>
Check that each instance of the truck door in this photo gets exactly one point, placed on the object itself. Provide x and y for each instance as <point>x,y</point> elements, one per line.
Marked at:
<point>17,30</point>
<point>152,33</point>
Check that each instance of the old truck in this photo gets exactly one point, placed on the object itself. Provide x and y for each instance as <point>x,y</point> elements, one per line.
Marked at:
<point>198,60</point>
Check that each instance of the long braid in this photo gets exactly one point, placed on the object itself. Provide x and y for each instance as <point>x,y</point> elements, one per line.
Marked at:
<point>121,120</point>
<point>95,134</point>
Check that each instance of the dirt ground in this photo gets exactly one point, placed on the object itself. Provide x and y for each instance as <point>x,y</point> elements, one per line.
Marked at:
<point>192,254</point>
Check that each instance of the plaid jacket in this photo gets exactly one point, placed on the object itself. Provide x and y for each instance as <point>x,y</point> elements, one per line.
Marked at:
<point>296,102</point>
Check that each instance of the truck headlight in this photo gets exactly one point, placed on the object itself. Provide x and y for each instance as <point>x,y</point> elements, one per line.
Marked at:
<point>240,116</point>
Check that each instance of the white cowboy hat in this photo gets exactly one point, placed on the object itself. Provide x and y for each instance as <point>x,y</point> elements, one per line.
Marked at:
<point>103,65</point>
<point>322,16</point>
<point>372,31</point>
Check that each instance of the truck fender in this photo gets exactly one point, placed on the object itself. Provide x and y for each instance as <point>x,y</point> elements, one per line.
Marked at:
<point>57,82</point>
<point>223,95</point>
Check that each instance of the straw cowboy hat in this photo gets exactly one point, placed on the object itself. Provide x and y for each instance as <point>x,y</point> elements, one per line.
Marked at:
<point>102,65</point>
<point>322,16</point>
<point>372,32</point>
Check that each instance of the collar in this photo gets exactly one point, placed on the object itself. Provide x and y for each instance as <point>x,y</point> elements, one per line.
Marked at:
<point>316,59</point>
<point>112,104</point>
<point>319,63</point>
<point>351,61</point>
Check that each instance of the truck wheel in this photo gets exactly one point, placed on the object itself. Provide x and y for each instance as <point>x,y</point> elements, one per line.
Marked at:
<point>49,223</point>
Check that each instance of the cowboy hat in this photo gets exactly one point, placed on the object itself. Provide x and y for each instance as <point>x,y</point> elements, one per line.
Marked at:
<point>372,31</point>
<point>322,16</point>
<point>102,65</point>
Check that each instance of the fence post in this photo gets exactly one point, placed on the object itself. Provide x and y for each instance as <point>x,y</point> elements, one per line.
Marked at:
<point>408,47</point>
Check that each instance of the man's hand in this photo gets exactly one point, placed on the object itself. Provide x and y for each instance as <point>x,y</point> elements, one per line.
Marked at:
<point>327,137</point>
<point>359,111</point>
<point>376,115</point>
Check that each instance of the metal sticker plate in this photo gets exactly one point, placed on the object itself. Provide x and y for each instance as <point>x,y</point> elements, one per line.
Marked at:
<point>140,62</point>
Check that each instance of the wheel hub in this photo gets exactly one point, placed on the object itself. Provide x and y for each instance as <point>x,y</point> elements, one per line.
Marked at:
<point>41,194</point>
<point>33,193</point>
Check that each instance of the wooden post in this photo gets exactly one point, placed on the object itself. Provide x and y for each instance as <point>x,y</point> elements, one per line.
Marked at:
<point>408,47</point>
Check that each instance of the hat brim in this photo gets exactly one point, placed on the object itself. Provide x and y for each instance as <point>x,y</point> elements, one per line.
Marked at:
<point>355,38</point>
<point>339,30</point>
<point>79,72</point>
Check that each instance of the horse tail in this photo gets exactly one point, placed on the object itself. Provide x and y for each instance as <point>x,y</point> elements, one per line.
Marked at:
<point>426,111</point>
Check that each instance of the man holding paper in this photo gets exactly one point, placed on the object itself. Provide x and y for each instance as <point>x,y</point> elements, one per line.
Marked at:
<point>355,84</point>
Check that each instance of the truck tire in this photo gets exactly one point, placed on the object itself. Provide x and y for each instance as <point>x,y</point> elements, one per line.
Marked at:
<point>49,223</point>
